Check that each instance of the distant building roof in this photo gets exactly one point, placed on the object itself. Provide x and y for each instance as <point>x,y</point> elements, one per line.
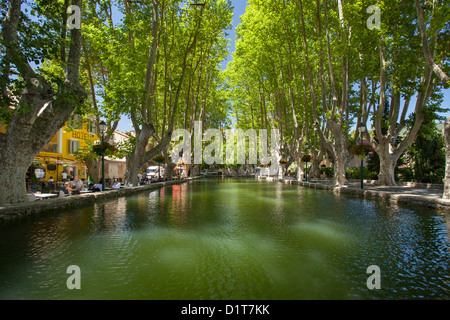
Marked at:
<point>439,128</point>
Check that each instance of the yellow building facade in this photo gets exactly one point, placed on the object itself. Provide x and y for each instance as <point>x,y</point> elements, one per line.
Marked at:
<point>58,156</point>
<point>57,160</point>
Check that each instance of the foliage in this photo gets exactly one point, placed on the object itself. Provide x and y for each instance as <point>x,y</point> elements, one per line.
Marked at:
<point>406,174</point>
<point>39,38</point>
<point>306,158</point>
<point>426,157</point>
<point>362,150</point>
<point>159,159</point>
<point>355,173</point>
<point>104,149</point>
<point>265,164</point>
<point>329,171</point>
<point>93,150</point>
<point>313,70</point>
<point>126,147</point>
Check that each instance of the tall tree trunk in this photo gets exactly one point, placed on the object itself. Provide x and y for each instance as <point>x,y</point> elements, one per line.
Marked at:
<point>36,119</point>
<point>340,153</point>
<point>445,79</point>
<point>94,168</point>
<point>339,170</point>
<point>388,162</point>
<point>169,170</point>
<point>136,160</point>
<point>14,166</point>
<point>447,154</point>
<point>300,171</point>
<point>315,164</point>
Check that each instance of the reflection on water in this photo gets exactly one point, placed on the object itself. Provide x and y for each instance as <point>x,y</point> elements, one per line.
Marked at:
<point>228,239</point>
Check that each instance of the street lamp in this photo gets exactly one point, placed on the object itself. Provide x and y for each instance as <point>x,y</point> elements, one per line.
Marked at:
<point>362,130</point>
<point>102,127</point>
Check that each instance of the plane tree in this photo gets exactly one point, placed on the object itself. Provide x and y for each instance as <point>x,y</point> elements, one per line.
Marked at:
<point>34,107</point>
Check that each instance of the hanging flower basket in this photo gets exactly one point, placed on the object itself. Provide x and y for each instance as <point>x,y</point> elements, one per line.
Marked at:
<point>306,158</point>
<point>103,148</point>
<point>159,159</point>
<point>362,150</point>
<point>283,161</point>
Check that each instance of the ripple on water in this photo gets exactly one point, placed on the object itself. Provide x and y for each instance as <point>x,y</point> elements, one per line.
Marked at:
<point>267,242</point>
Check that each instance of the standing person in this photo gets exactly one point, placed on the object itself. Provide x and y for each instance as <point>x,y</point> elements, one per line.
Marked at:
<point>64,176</point>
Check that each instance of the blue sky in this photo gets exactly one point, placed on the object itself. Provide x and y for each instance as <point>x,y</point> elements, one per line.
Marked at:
<point>239,9</point>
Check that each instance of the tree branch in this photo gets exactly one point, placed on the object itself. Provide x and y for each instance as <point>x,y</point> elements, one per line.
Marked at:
<point>426,49</point>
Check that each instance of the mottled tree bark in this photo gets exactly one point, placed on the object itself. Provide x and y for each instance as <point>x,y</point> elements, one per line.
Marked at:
<point>447,154</point>
<point>94,168</point>
<point>38,116</point>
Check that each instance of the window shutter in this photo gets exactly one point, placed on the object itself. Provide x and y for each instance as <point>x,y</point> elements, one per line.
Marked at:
<point>74,146</point>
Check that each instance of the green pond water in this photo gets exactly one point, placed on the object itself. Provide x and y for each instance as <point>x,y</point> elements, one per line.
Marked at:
<point>228,239</point>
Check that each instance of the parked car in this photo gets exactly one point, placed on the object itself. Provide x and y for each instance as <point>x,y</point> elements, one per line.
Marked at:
<point>153,171</point>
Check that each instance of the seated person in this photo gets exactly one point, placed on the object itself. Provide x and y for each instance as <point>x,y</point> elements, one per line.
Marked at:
<point>95,187</point>
<point>116,184</point>
<point>67,188</point>
<point>74,189</point>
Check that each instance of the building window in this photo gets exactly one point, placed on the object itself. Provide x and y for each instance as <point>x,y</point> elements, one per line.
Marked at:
<point>74,146</point>
<point>92,129</point>
<point>51,147</point>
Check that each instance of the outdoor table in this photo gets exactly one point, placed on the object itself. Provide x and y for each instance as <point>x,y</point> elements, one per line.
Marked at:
<point>45,195</point>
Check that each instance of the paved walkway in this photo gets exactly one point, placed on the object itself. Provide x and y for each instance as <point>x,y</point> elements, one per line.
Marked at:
<point>429,197</point>
<point>428,192</point>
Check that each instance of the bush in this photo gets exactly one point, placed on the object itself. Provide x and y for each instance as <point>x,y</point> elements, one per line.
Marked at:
<point>355,173</point>
<point>436,176</point>
<point>405,174</point>
<point>372,175</point>
<point>329,171</point>
<point>408,175</point>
